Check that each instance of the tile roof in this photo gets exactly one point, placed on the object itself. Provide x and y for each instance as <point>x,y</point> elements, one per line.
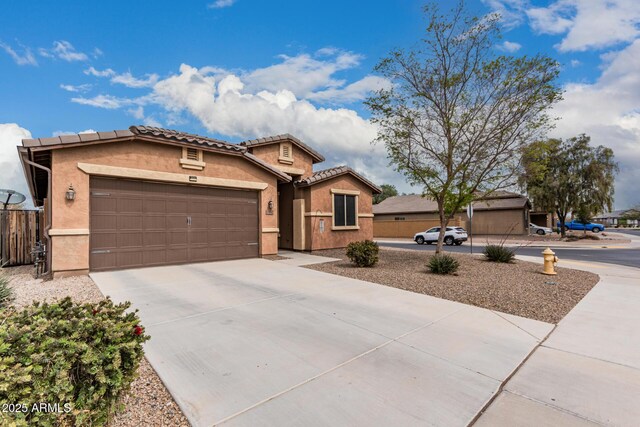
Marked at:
<point>189,138</point>
<point>414,203</point>
<point>325,174</point>
<point>75,139</point>
<point>284,137</point>
<point>157,133</point>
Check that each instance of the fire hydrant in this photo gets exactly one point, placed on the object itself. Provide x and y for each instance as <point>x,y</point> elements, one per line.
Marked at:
<point>550,260</point>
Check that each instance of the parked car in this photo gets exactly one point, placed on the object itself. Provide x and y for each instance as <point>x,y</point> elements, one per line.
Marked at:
<point>452,235</point>
<point>541,231</point>
<point>575,225</point>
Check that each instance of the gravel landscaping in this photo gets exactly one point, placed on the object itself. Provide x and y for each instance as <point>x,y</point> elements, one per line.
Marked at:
<point>518,288</point>
<point>148,403</point>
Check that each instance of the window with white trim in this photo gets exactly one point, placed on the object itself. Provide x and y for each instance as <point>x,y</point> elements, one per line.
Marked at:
<point>344,210</point>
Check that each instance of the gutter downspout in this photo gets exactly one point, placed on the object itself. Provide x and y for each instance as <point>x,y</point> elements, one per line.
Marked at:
<point>48,227</point>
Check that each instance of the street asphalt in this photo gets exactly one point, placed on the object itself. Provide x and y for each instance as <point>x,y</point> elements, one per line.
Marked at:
<point>629,257</point>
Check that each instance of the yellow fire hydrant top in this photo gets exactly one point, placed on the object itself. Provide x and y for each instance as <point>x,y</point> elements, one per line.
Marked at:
<point>550,259</point>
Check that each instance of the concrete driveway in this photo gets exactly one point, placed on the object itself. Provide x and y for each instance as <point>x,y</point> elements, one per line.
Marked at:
<point>259,342</point>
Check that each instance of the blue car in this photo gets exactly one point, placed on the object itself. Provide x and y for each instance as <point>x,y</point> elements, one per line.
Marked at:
<point>575,225</point>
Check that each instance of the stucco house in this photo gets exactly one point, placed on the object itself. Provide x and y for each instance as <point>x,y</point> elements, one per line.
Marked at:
<point>148,196</point>
<point>500,213</point>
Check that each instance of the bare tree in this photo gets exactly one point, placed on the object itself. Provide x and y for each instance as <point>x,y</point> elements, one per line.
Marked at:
<point>457,114</point>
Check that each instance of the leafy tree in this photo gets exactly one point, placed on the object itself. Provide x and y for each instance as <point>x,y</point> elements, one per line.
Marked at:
<point>457,114</point>
<point>388,190</point>
<point>569,177</point>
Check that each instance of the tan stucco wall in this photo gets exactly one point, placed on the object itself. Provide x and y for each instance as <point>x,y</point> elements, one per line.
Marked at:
<point>270,154</point>
<point>497,222</point>
<point>72,252</point>
<point>320,199</point>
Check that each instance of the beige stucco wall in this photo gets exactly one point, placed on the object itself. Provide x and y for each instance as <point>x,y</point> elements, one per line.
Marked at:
<point>270,153</point>
<point>319,201</point>
<point>71,252</point>
<point>496,222</point>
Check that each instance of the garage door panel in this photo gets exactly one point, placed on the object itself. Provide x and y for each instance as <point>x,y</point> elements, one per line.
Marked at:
<point>155,238</point>
<point>103,204</point>
<point>104,222</point>
<point>129,222</point>
<point>154,205</point>
<point>177,206</point>
<point>103,240</point>
<point>135,223</point>
<point>154,222</point>
<point>129,240</point>
<point>129,205</point>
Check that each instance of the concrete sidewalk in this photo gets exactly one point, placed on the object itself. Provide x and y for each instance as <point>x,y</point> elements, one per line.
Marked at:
<point>587,372</point>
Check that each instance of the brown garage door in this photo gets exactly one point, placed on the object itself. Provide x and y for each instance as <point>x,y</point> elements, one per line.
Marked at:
<point>140,223</point>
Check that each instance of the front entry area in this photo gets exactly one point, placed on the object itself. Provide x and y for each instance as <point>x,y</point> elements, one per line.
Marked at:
<point>140,223</point>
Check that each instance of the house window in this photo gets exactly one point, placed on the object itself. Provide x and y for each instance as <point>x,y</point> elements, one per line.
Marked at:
<point>192,158</point>
<point>344,210</point>
<point>286,153</point>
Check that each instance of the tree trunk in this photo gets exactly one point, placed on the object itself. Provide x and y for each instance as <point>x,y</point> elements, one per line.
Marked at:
<point>443,228</point>
<point>562,218</point>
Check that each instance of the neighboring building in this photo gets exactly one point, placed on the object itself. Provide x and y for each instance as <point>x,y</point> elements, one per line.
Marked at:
<point>617,218</point>
<point>149,196</point>
<point>501,213</point>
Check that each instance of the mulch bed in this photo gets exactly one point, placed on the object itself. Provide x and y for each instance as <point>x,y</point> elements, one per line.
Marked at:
<point>148,403</point>
<point>518,288</point>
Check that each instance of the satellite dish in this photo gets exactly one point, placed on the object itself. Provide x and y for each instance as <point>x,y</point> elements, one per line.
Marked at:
<point>11,197</point>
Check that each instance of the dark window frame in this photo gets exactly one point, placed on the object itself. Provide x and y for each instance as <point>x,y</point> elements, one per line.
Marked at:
<point>345,206</point>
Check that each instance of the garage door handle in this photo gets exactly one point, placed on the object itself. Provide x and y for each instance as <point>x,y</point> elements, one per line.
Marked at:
<point>252,244</point>
<point>104,251</point>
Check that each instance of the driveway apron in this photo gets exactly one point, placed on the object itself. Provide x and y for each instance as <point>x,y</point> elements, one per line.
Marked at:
<point>259,342</point>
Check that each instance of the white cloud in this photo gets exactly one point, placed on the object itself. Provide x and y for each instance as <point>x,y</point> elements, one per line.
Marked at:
<point>107,102</point>
<point>608,111</point>
<point>64,132</point>
<point>26,58</point>
<point>594,24</point>
<point>12,176</point>
<point>511,11</point>
<point>126,79</point>
<point>219,4</point>
<point>129,80</point>
<point>302,74</point>
<point>76,88</point>
<point>64,50</point>
<point>508,46</point>
<point>91,71</point>
<point>353,92</point>
<point>575,63</point>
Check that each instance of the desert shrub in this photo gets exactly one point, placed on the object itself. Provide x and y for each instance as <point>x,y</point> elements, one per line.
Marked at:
<point>443,264</point>
<point>363,253</point>
<point>498,253</point>
<point>79,356</point>
<point>6,294</point>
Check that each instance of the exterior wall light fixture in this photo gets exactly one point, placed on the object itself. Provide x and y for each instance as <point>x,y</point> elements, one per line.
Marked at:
<point>270,207</point>
<point>71,193</point>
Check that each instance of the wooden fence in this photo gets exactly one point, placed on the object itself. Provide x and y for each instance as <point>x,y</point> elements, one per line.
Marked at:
<point>19,233</point>
<point>408,228</point>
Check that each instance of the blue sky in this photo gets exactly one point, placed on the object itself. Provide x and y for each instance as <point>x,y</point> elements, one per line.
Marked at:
<point>243,69</point>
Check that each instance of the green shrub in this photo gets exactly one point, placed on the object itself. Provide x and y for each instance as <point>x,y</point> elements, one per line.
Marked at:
<point>81,355</point>
<point>363,253</point>
<point>6,294</point>
<point>498,253</point>
<point>443,264</point>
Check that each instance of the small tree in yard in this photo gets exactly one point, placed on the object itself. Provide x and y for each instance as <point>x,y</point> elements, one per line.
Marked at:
<point>457,115</point>
<point>569,177</point>
<point>388,190</point>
